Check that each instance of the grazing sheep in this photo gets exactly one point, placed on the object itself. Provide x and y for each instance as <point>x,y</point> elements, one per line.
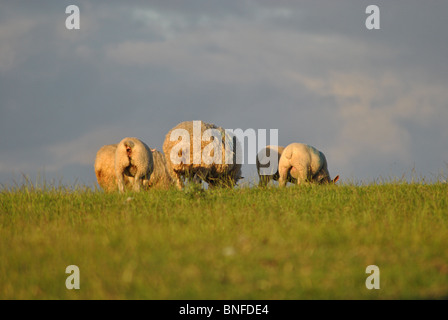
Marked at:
<point>105,168</point>
<point>184,164</point>
<point>161,177</point>
<point>305,164</point>
<point>269,171</point>
<point>133,158</point>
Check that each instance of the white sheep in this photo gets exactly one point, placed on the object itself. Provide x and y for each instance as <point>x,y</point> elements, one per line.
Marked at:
<point>305,164</point>
<point>105,168</point>
<point>160,177</point>
<point>133,158</point>
<point>184,164</point>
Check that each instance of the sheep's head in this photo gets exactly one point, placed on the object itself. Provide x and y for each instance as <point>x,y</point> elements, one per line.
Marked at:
<point>329,181</point>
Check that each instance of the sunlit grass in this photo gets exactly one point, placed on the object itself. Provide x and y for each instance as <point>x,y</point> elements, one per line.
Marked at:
<point>309,242</point>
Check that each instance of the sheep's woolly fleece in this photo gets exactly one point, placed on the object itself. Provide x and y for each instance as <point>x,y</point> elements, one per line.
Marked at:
<point>304,163</point>
<point>183,165</point>
<point>160,177</point>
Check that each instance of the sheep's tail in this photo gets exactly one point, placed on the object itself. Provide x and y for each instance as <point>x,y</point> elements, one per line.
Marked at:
<point>129,143</point>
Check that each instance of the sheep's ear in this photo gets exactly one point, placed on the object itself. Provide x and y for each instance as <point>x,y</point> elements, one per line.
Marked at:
<point>335,179</point>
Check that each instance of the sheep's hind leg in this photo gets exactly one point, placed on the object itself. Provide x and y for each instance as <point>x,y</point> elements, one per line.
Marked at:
<point>120,182</point>
<point>283,176</point>
<point>138,181</point>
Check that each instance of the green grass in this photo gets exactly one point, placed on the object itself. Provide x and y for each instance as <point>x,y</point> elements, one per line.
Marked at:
<point>311,242</point>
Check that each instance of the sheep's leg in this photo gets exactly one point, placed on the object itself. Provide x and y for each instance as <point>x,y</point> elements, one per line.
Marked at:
<point>120,181</point>
<point>300,174</point>
<point>200,175</point>
<point>300,170</point>
<point>197,178</point>
<point>121,163</point>
<point>283,176</point>
<point>141,180</point>
<point>145,181</point>
<point>178,180</point>
<point>138,180</point>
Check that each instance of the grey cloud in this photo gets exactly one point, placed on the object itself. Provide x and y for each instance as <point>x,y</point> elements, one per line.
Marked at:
<point>373,101</point>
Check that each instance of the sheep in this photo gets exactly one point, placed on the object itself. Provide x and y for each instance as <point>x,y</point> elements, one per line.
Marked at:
<point>161,177</point>
<point>184,164</point>
<point>105,168</point>
<point>133,158</point>
<point>266,170</point>
<point>305,164</point>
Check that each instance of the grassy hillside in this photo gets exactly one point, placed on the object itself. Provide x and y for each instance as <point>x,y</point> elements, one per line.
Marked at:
<point>311,242</point>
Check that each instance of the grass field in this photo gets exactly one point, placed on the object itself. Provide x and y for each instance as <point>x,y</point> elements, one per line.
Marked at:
<point>309,242</point>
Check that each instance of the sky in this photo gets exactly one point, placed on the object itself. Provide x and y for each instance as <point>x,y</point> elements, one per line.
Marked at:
<point>375,102</point>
